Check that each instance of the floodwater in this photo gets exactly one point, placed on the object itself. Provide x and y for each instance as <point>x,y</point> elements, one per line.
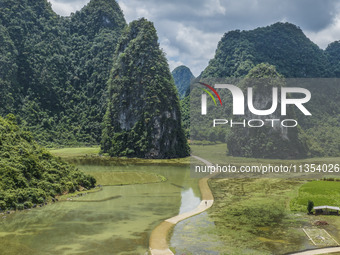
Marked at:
<point>120,224</point>
<point>117,220</point>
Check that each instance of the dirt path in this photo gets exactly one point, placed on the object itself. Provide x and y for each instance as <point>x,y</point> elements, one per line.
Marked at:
<point>159,237</point>
<point>318,251</point>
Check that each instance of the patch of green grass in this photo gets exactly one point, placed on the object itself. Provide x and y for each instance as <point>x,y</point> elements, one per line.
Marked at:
<point>252,216</point>
<point>217,154</point>
<point>84,153</point>
<point>126,178</point>
<point>74,194</point>
<point>320,192</point>
<point>75,152</point>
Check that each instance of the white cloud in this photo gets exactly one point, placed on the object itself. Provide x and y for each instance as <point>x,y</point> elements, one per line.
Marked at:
<point>65,8</point>
<point>190,30</point>
<point>173,64</point>
<point>213,7</point>
<point>327,35</point>
<point>170,51</point>
<point>198,47</point>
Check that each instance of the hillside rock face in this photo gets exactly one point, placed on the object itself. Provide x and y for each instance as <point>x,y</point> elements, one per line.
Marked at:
<point>272,140</point>
<point>183,77</point>
<point>143,118</point>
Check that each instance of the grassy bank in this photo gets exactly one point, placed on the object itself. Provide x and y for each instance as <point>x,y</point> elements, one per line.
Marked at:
<point>252,216</point>
<point>76,152</point>
<point>84,155</point>
<point>217,154</point>
<point>263,215</point>
<point>320,192</point>
<point>126,178</point>
<point>90,153</point>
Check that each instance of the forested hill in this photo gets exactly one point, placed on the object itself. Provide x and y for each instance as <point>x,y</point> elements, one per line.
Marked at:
<point>53,69</point>
<point>183,77</point>
<point>143,118</point>
<point>283,45</point>
<point>29,174</point>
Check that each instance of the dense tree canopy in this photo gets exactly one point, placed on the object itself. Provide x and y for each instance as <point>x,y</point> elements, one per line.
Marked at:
<point>284,46</point>
<point>29,174</point>
<point>54,69</point>
<point>143,117</point>
<point>269,141</point>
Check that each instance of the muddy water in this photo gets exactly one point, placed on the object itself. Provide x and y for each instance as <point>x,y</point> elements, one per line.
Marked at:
<point>116,220</point>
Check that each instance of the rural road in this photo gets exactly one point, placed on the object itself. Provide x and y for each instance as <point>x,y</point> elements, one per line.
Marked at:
<point>158,240</point>
<point>318,251</point>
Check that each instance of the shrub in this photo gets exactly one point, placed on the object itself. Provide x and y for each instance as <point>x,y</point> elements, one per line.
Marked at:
<point>310,206</point>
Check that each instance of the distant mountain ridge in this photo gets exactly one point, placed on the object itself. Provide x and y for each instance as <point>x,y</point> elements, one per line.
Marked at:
<point>283,45</point>
<point>183,77</point>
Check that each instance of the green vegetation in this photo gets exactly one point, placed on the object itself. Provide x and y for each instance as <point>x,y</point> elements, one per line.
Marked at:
<point>310,206</point>
<point>320,192</point>
<point>29,174</point>
<point>268,141</point>
<point>89,154</point>
<point>126,178</point>
<point>54,69</point>
<point>143,116</point>
<point>252,215</point>
<point>332,51</point>
<point>75,152</point>
<point>185,112</point>
<point>284,46</point>
<point>216,153</point>
<point>182,77</point>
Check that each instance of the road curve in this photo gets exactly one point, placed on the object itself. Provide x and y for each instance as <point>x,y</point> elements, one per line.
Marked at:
<point>158,240</point>
<point>158,243</point>
<point>318,251</point>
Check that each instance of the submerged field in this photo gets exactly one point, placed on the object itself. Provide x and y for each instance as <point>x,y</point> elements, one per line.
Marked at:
<point>253,216</point>
<point>249,216</point>
<point>264,215</point>
<point>116,220</point>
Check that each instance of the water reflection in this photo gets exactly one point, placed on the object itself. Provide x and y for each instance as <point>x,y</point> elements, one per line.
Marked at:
<point>188,201</point>
<point>111,226</point>
<point>196,235</point>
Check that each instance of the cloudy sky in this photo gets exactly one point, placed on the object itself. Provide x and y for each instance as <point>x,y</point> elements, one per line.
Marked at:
<point>189,30</point>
